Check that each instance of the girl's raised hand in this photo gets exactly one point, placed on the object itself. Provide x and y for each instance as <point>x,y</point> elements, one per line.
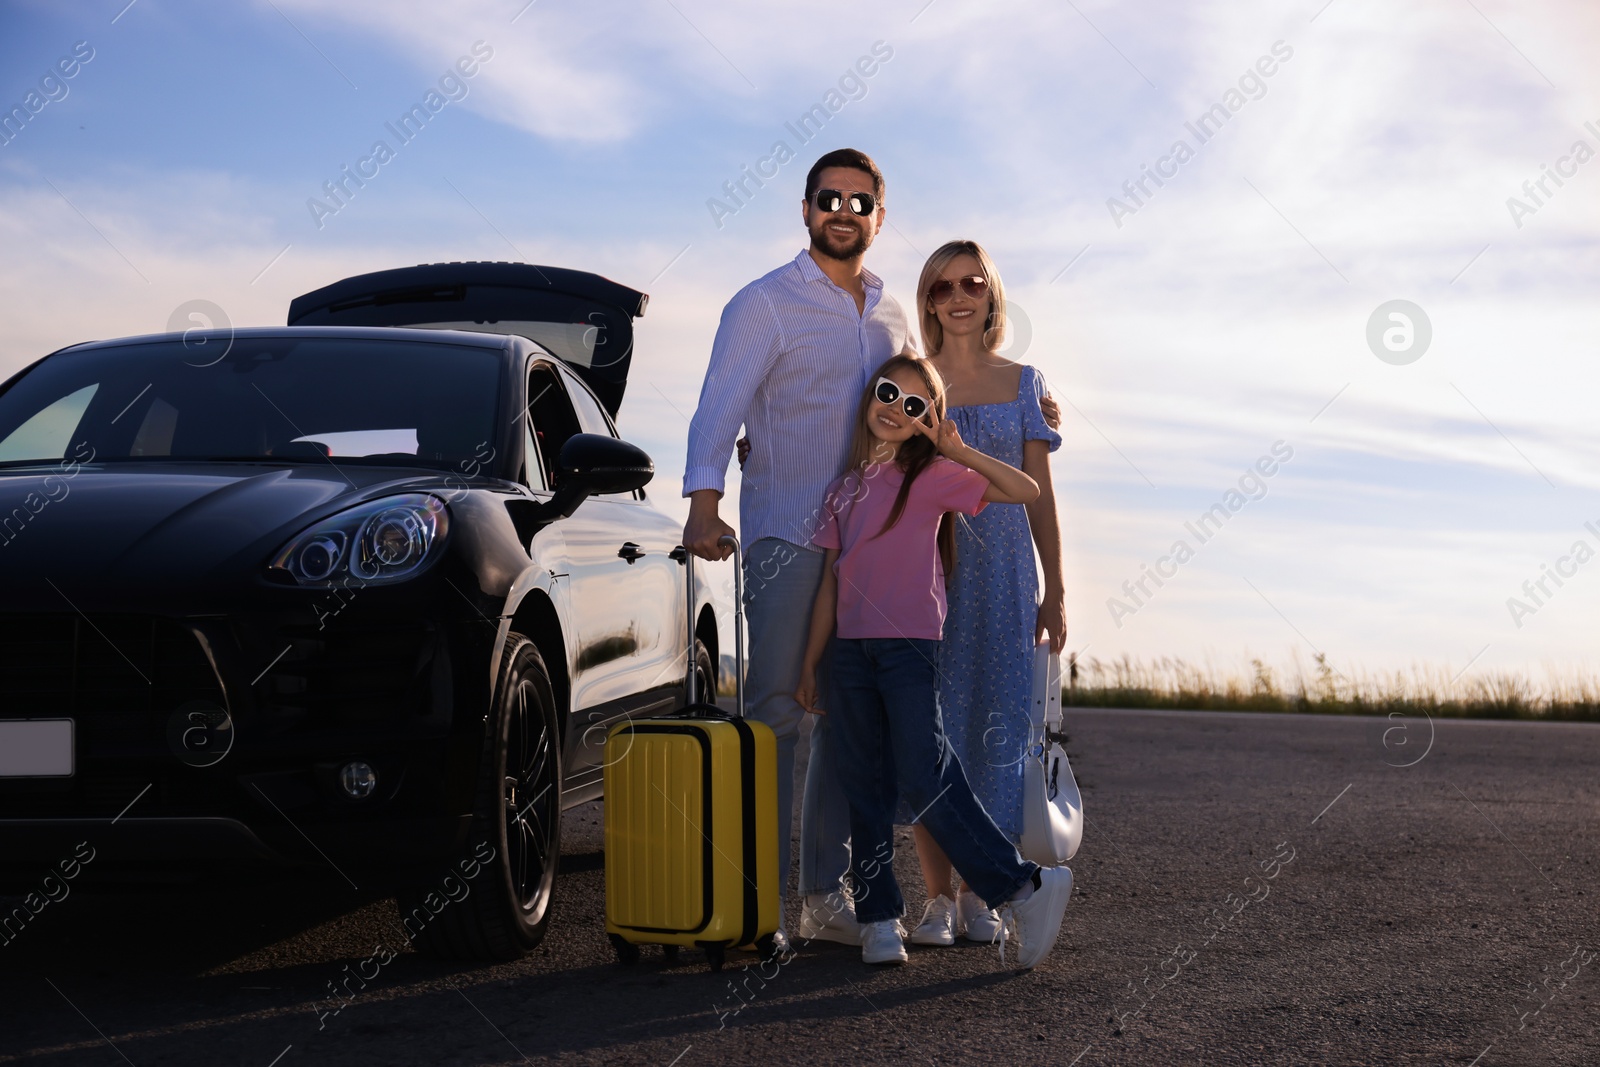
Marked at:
<point>945,437</point>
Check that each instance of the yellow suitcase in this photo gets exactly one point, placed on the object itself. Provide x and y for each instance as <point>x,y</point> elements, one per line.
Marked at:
<point>691,825</point>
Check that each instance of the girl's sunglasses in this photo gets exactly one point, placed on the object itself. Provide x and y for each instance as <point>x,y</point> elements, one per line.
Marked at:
<point>974,285</point>
<point>913,405</point>
<point>831,200</point>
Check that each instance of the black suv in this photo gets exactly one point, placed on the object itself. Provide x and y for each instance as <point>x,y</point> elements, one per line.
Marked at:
<point>361,592</point>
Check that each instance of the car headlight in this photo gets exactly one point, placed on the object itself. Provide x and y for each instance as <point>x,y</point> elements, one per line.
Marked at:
<point>385,540</point>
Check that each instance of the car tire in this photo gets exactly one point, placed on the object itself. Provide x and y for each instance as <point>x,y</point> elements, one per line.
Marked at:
<point>518,812</point>
<point>705,673</point>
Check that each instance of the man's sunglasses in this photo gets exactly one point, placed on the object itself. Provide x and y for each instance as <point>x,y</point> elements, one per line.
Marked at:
<point>831,200</point>
<point>974,285</point>
<point>913,405</point>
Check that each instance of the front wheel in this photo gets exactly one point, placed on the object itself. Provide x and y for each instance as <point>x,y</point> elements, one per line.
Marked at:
<point>705,673</point>
<point>516,826</point>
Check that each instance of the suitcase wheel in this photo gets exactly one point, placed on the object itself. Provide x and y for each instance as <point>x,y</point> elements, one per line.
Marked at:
<point>670,954</point>
<point>716,954</point>
<point>767,948</point>
<point>627,951</point>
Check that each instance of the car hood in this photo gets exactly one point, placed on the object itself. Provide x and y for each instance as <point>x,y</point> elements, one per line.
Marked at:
<point>127,524</point>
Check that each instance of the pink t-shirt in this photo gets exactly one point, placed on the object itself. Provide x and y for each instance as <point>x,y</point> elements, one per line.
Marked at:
<point>893,585</point>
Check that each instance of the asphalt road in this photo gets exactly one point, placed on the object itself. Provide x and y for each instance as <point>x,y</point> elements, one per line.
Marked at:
<point>1429,915</point>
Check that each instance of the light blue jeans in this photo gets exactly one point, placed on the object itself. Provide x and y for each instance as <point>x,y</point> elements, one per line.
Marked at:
<point>780,586</point>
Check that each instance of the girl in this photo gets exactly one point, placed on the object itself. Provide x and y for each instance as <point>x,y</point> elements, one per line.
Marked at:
<point>883,585</point>
<point>996,616</point>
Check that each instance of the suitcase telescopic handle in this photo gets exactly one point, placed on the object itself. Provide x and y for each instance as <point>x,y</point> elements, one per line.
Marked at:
<point>684,556</point>
<point>738,621</point>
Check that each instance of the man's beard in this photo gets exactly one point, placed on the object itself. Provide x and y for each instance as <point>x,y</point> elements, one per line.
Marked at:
<point>823,242</point>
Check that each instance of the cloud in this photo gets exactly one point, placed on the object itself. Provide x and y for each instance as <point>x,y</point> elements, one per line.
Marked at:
<point>543,78</point>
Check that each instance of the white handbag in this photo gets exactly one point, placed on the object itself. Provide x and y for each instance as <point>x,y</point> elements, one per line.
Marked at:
<point>1052,809</point>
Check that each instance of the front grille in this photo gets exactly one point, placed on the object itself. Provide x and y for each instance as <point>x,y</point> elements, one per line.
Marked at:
<point>119,676</point>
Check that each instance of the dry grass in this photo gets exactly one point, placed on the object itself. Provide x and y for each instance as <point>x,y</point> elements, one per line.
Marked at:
<point>1563,694</point>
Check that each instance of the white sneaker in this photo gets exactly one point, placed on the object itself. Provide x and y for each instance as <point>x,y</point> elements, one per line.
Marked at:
<point>881,942</point>
<point>1037,920</point>
<point>974,921</point>
<point>828,917</point>
<point>938,923</point>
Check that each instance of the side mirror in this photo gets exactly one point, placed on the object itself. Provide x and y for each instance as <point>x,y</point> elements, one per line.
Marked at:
<point>601,465</point>
<point>595,465</point>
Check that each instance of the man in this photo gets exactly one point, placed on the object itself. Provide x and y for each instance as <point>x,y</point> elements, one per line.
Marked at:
<point>790,360</point>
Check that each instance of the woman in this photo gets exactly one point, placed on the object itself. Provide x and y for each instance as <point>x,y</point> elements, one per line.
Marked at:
<point>996,615</point>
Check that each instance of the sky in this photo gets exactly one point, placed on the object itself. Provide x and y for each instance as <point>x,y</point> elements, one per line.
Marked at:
<point>1224,317</point>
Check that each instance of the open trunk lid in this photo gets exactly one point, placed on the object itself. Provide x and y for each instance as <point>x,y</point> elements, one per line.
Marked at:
<point>581,318</point>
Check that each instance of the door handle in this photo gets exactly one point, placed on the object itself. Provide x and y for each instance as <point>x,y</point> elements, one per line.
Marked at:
<point>630,552</point>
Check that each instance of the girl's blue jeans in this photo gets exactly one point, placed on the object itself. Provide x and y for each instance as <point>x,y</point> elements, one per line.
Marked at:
<point>889,742</point>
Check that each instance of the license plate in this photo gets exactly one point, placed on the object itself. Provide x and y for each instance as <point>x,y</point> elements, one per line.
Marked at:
<point>35,748</point>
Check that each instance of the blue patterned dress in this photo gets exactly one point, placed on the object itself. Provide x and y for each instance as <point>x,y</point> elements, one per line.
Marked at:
<point>986,657</point>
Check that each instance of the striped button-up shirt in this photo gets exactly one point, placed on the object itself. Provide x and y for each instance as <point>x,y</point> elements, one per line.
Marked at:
<point>789,363</point>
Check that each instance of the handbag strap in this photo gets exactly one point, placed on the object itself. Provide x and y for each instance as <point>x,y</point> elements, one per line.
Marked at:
<point>1046,725</point>
<point>1052,728</point>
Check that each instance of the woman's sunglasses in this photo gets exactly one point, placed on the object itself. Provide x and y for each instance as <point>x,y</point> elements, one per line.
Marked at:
<point>831,200</point>
<point>913,405</point>
<point>974,285</point>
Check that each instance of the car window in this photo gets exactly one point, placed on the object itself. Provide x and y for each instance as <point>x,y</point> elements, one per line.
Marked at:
<point>154,437</point>
<point>343,443</point>
<point>590,415</point>
<point>560,405</point>
<point>48,433</point>
<point>533,472</point>
<point>551,417</point>
<point>289,398</point>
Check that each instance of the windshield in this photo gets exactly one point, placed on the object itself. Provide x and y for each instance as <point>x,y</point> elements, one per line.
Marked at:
<point>272,399</point>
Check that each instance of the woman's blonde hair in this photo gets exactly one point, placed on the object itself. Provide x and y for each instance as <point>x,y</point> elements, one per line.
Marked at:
<point>994,332</point>
<point>914,455</point>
